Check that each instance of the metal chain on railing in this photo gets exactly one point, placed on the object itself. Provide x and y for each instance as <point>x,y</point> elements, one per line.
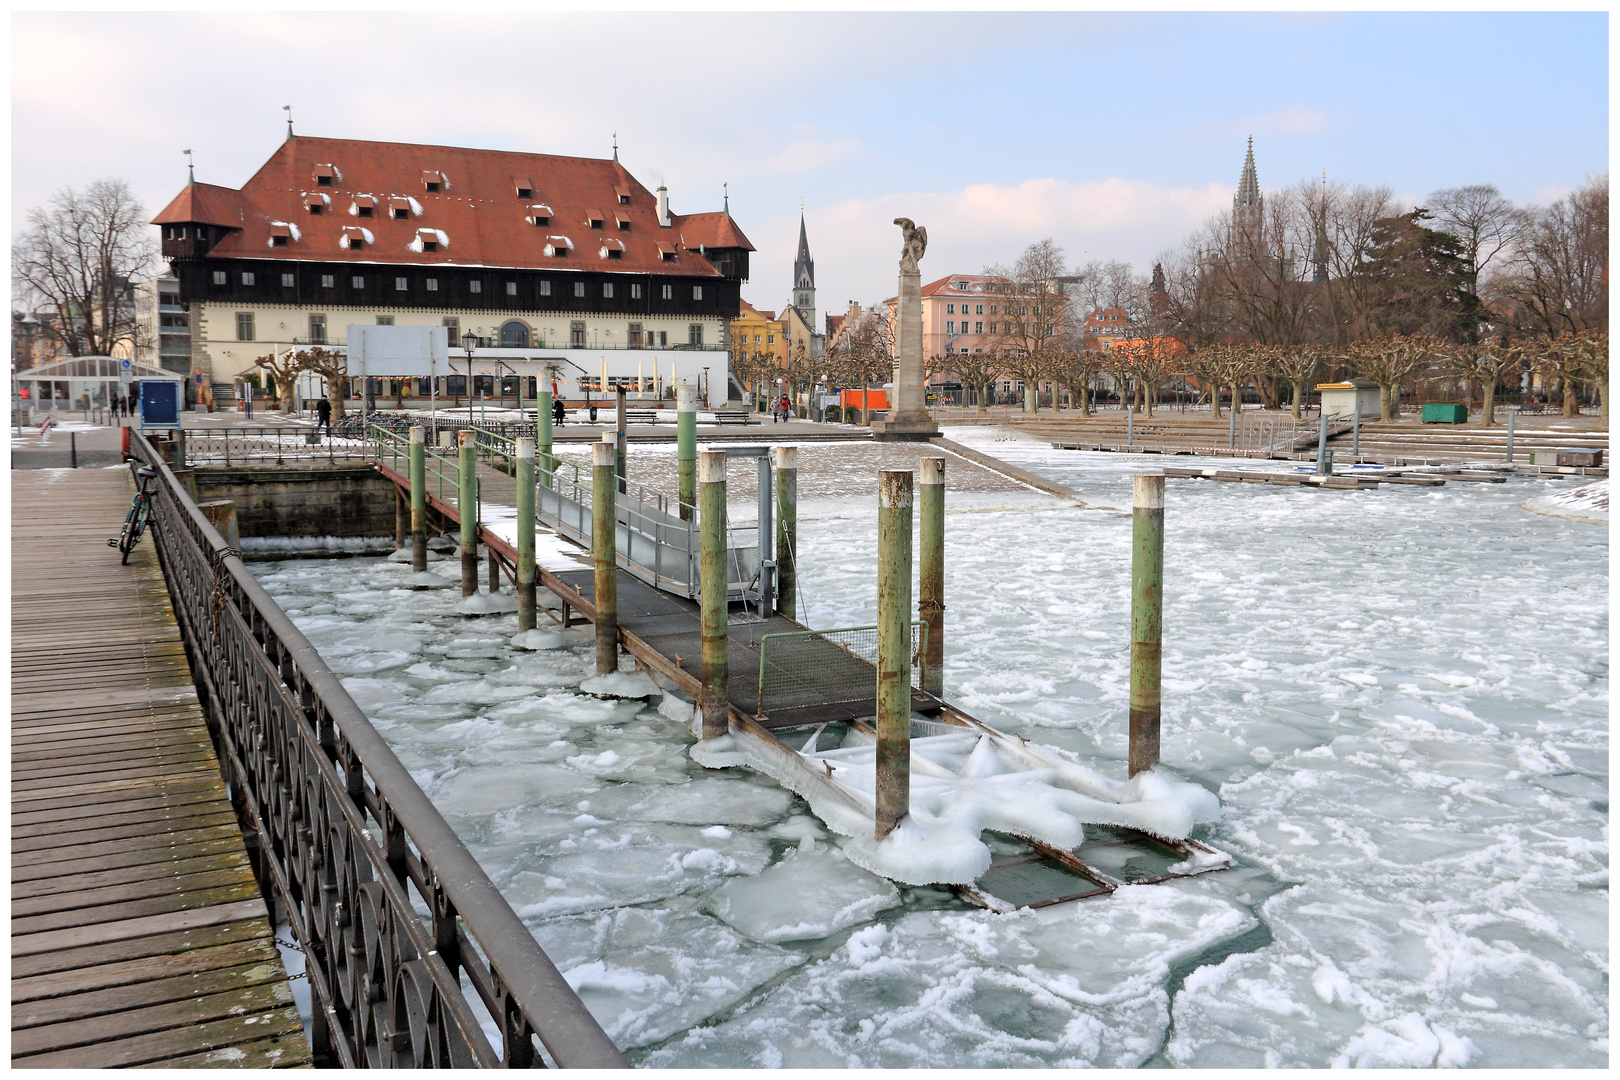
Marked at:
<point>401,929</point>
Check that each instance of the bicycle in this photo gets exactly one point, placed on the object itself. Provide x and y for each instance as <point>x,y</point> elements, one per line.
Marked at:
<point>140,512</point>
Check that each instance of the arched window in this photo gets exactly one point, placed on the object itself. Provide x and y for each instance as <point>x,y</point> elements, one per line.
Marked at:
<point>514,335</point>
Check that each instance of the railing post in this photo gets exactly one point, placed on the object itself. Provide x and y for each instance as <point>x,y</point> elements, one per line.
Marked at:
<point>542,431</point>
<point>525,534</point>
<point>1147,609</point>
<point>604,527</point>
<point>416,474</point>
<point>711,478</point>
<point>467,510</point>
<point>893,649</point>
<point>686,447</point>
<point>931,571</point>
<point>787,530</point>
<point>1355,435</point>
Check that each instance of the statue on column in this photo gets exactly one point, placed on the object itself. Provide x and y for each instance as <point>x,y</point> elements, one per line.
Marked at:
<point>916,242</point>
<point>908,417</point>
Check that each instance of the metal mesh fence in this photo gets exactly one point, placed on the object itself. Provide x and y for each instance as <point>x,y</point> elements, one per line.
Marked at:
<point>814,668</point>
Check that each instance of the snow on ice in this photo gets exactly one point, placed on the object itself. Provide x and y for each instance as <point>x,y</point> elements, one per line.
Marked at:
<point>1399,696</point>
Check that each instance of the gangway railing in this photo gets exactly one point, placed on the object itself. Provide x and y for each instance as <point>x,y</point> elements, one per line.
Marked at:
<point>409,945</point>
<point>808,671</point>
<point>443,473</point>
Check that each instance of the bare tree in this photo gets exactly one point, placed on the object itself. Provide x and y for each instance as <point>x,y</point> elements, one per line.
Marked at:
<point>1559,273</point>
<point>283,369</point>
<point>331,366</point>
<point>862,357</point>
<point>1389,362</point>
<point>1486,363</point>
<point>82,255</point>
<point>1033,297</point>
<point>1483,221</point>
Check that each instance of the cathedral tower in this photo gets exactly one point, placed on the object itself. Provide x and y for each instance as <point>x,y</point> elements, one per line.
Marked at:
<point>1248,204</point>
<point>804,277</point>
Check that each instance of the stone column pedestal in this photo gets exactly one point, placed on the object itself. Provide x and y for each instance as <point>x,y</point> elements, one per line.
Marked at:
<point>908,412</point>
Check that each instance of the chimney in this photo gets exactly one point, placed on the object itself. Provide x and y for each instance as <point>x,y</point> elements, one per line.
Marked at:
<point>663,206</point>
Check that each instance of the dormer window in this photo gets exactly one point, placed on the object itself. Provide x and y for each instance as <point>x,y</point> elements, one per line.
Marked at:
<point>615,253</point>
<point>624,222</point>
<point>281,234</point>
<point>558,246</point>
<point>364,205</point>
<point>524,187</point>
<point>666,252</point>
<point>539,215</point>
<point>613,249</point>
<point>434,182</point>
<point>317,202</point>
<point>354,238</point>
<point>327,175</point>
<point>399,209</point>
<point>623,194</point>
<point>595,219</point>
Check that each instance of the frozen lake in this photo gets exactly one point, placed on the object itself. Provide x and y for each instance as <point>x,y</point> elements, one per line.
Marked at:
<point>1401,697</point>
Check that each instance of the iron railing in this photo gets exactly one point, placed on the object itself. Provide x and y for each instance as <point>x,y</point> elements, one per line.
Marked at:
<point>811,668</point>
<point>402,930</point>
<point>443,471</point>
<point>266,445</point>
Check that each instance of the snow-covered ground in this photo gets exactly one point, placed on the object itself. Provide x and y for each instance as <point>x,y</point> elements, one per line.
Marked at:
<point>1400,695</point>
<point>1588,503</point>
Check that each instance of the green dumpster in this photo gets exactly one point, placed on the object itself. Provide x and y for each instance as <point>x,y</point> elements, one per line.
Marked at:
<point>1449,413</point>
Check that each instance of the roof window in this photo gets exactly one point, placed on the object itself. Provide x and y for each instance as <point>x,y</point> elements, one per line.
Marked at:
<point>624,222</point>
<point>399,209</point>
<point>317,201</point>
<point>612,249</point>
<point>281,234</point>
<point>434,182</point>
<point>666,252</point>
<point>539,214</point>
<point>623,194</point>
<point>558,246</point>
<point>595,218</point>
<point>354,238</point>
<point>524,187</point>
<point>429,240</point>
<point>363,205</point>
<point>327,175</point>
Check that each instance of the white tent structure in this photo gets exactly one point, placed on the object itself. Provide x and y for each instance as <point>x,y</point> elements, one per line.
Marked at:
<point>65,385</point>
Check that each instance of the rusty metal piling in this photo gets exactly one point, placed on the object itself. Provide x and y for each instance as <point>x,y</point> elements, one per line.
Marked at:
<point>893,649</point>
<point>931,570</point>
<point>467,510</point>
<point>525,534</point>
<point>416,473</point>
<point>604,529</point>
<point>711,480</point>
<point>1147,610</point>
<point>686,448</point>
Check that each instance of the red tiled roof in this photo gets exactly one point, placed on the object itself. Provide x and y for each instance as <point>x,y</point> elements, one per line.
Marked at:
<point>204,204</point>
<point>476,208</point>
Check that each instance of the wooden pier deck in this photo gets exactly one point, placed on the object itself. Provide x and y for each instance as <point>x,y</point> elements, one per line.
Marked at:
<point>138,933</point>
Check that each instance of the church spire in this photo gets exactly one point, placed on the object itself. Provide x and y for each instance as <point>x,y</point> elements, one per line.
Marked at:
<point>804,276</point>
<point>1319,259</point>
<point>1248,193</point>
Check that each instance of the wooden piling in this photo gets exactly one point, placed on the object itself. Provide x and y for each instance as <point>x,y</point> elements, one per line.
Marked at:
<point>787,531</point>
<point>711,479</point>
<point>401,519</point>
<point>686,447</point>
<point>467,509</point>
<point>893,649</point>
<point>931,570</point>
<point>619,438</point>
<point>604,529</point>
<point>416,473</point>
<point>1147,609</point>
<point>525,534</point>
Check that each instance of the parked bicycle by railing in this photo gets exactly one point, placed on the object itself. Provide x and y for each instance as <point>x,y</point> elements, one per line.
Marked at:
<point>140,511</point>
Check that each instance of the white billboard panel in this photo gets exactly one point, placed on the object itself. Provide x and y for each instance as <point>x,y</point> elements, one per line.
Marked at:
<point>396,351</point>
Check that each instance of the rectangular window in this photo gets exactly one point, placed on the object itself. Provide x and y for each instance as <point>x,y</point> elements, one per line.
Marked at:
<point>429,245</point>
<point>633,335</point>
<point>399,213</point>
<point>576,335</point>
<point>317,208</point>
<point>278,241</point>
<point>540,219</point>
<point>950,309</point>
<point>452,323</point>
<point>432,284</point>
<point>475,286</point>
<point>669,292</point>
<point>978,327</point>
<point>770,339</point>
<point>697,292</point>
<point>317,329</point>
<point>244,326</point>
<point>364,211</point>
<point>978,309</point>
<point>950,326</point>
<point>615,253</point>
<point>694,334</point>
<point>220,277</point>
<point>385,320</point>
<point>511,288</point>
<point>401,284</point>
<point>635,290</point>
<point>357,282</point>
<point>545,288</point>
<point>328,281</point>
<point>455,385</point>
<point>323,181</point>
<point>607,290</point>
<point>356,243</point>
<point>433,187</point>
<point>287,281</point>
<point>579,288</point>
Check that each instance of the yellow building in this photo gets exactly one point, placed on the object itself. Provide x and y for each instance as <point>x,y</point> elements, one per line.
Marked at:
<point>755,331</point>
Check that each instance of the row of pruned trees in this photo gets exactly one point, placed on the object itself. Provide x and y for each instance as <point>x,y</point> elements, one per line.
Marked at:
<point>283,368</point>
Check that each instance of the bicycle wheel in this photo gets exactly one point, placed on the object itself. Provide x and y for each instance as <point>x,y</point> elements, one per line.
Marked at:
<point>132,534</point>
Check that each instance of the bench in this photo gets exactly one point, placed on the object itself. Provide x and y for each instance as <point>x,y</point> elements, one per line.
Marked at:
<point>641,416</point>
<point>733,416</point>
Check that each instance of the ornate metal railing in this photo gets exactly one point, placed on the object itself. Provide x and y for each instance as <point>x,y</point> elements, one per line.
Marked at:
<point>270,445</point>
<point>404,934</point>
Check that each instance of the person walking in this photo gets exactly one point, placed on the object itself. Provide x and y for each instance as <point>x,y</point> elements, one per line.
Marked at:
<point>785,407</point>
<point>323,415</point>
<point>557,410</point>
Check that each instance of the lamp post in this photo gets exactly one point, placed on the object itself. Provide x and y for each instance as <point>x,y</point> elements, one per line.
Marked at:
<point>468,340</point>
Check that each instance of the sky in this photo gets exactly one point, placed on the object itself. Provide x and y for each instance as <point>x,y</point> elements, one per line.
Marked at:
<point>1114,134</point>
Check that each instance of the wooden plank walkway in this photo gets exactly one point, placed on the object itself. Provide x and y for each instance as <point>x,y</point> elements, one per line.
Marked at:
<point>138,934</point>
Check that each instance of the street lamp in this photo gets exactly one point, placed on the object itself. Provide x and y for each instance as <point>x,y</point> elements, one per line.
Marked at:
<point>468,340</point>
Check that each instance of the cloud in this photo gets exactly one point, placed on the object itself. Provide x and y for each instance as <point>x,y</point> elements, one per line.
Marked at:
<point>808,155</point>
<point>1547,194</point>
<point>1294,120</point>
<point>857,247</point>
